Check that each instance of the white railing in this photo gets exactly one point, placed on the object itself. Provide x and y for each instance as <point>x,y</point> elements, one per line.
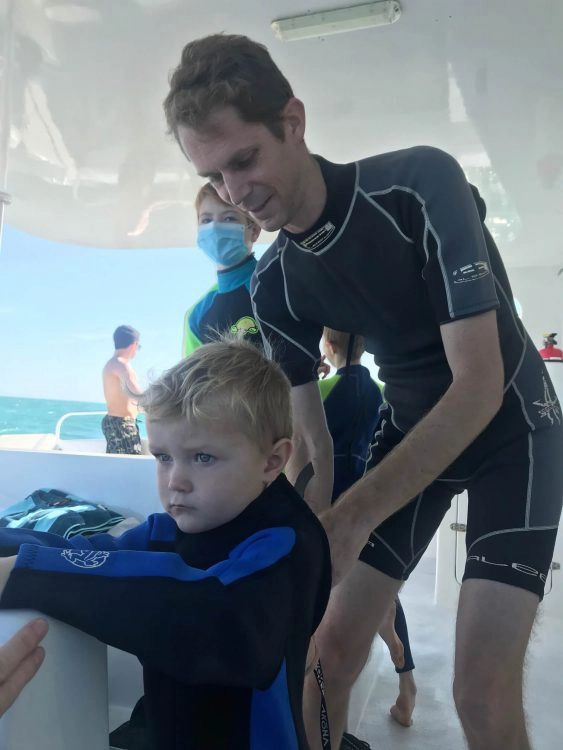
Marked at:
<point>59,424</point>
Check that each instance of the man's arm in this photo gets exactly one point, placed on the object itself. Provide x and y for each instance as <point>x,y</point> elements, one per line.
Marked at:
<point>313,444</point>
<point>129,380</point>
<point>475,395</point>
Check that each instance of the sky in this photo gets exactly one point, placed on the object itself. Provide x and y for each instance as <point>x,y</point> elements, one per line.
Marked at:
<point>59,305</point>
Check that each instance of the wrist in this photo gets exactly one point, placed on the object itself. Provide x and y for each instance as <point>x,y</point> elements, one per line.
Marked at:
<point>6,566</point>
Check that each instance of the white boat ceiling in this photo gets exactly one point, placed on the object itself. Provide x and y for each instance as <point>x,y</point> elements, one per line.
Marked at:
<point>89,162</point>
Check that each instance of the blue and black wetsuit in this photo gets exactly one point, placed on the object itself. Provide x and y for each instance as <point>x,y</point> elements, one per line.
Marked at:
<point>221,620</point>
<point>351,401</point>
<point>225,307</point>
<point>400,249</point>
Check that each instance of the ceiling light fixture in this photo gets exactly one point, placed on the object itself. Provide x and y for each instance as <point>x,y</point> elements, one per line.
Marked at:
<point>337,21</point>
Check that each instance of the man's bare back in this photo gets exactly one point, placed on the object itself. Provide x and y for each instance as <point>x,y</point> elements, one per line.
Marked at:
<point>118,378</point>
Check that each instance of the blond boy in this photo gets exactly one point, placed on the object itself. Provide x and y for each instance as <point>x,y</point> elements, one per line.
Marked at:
<point>219,595</point>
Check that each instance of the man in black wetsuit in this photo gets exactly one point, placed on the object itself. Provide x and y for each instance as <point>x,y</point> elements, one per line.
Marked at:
<point>393,247</point>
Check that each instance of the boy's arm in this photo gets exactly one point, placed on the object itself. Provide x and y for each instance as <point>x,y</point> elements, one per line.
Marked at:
<point>200,626</point>
<point>136,538</point>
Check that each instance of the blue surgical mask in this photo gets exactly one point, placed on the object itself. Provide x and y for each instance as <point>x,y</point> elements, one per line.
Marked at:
<point>223,243</point>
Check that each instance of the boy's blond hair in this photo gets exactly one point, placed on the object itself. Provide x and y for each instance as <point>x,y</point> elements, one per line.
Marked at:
<point>228,380</point>
<point>340,340</point>
<point>208,191</point>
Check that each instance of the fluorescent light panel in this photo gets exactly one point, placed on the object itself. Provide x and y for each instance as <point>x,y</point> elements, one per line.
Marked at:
<point>337,21</point>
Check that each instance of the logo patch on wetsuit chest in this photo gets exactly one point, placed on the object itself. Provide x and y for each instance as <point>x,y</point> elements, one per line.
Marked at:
<point>318,237</point>
<point>245,325</point>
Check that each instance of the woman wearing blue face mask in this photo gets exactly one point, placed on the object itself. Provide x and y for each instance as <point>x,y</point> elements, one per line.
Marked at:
<point>226,235</point>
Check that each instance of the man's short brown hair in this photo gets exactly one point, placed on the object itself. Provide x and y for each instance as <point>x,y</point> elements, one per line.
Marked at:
<point>223,70</point>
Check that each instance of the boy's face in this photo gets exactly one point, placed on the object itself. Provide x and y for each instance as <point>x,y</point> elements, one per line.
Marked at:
<point>212,209</point>
<point>206,475</point>
<point>247,165</point>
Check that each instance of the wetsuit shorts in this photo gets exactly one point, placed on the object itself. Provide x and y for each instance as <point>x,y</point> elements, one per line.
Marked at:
<point>515,489</point>
<point>122,435</point>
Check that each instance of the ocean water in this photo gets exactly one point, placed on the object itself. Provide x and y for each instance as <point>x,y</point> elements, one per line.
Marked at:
<point>39,415</point>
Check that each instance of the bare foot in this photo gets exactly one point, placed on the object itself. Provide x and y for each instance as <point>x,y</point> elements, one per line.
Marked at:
<point>404,706</point>
<point>391,639</point>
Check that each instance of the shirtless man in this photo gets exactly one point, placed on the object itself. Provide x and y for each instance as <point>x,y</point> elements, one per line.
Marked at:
<point>120,423</point>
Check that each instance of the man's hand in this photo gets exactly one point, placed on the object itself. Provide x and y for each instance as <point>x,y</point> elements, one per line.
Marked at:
<point>312,443</point>
<point>324,368</point>
<point>20,658</point>
<point>345,540</point>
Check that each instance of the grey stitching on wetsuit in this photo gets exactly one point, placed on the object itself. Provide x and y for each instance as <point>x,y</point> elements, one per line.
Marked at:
<point>385,213</point>
<point>293,315</point>
<point>530,478</point>
<point>523,405</point>
<point>286,337</point>
<point>413,524</point>
<point>517,369</point>
<point>521,335</point>
<point>510,531</point>
<point>391,550</point>
<point>352,455</point>
<point>263,270</point>
<point>267,347</point>
<point>392,418</point>
<point>418,554</point>
<point>427,225</point>
<point>344,223</point>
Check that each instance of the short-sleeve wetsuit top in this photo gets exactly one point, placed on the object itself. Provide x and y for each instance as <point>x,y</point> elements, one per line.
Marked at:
<point>400,249</point>
<point>225,307</point>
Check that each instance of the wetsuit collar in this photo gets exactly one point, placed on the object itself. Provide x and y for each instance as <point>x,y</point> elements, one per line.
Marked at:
<point>340,180</point>
<point>351,369</point>
<point>232,278</point>
<point>206,548</point>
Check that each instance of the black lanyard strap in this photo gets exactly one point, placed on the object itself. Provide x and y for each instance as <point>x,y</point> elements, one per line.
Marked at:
<point>325,729</point>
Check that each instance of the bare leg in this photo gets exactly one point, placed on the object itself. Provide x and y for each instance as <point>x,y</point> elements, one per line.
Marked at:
<point>404,705</point>
<point>355,611</point>
<point>493,628</point>
<point>392,641</point>
<point>403,708</point>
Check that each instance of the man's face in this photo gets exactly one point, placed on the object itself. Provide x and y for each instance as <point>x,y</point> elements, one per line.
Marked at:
<point>206,475</point>
<point>248,166</point>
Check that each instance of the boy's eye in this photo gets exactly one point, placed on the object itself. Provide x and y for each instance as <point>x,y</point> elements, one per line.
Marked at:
<point>203,458</point>
<point>204,221</point>
<point>163,458</point>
